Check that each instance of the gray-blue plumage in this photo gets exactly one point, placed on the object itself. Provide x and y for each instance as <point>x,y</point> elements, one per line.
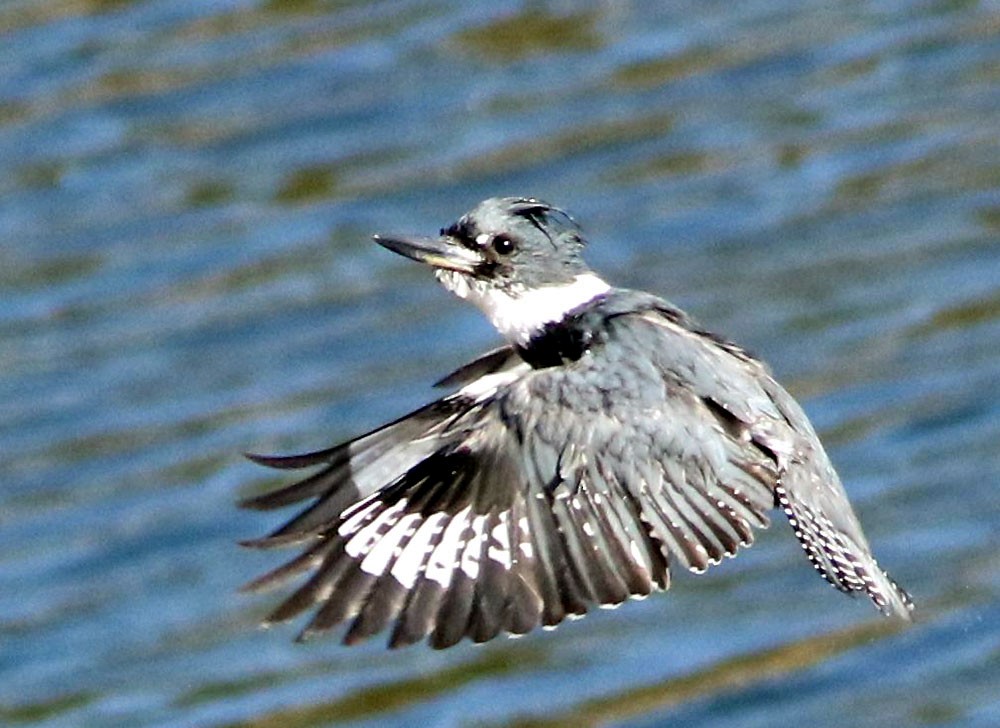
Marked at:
<point>609,440</point>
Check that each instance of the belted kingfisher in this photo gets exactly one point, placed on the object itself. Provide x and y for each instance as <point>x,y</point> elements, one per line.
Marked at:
<point>610,439</point>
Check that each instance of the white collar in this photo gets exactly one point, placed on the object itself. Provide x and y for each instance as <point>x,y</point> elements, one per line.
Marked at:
<point>518,316</point>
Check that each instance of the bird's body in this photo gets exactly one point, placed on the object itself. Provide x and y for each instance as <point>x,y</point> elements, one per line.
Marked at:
<point>609,440</point>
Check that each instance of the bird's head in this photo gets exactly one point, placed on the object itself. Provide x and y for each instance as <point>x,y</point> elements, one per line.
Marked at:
<point>518,259</point>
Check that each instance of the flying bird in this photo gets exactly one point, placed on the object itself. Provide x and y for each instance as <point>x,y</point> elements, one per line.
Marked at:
<point>608,441</point>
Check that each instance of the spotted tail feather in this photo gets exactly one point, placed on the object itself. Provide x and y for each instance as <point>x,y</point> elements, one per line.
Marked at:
<point>842,559</point>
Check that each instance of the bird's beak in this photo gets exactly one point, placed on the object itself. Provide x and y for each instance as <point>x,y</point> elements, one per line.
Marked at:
<point>443,252</point>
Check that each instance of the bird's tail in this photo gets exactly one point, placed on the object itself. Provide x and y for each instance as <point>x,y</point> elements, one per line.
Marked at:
<point>834,543</point>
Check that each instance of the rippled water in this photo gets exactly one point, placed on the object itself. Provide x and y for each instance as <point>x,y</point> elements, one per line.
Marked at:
<point>186,199</point>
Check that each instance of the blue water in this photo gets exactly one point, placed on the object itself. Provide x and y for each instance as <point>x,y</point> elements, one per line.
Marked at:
<point>186,199</point>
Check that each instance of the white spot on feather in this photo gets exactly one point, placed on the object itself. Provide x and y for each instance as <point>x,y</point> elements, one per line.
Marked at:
<point>381,553</point>
<point>636,553</point>
<point>444,560</point>
<point>411,561</point>
<point>501,536</point>
<point>363,541</point>
<point>487,385</point>
<point>356,514</point>
<point>474,548</point>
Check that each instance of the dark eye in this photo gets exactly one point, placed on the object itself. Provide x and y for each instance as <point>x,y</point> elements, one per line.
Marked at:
<point>503,245</point>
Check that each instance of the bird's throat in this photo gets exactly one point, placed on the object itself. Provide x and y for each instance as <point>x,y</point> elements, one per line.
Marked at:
<point>522,315</point>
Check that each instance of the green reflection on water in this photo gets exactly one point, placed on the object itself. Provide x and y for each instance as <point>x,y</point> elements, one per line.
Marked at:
<point>309,183</point>
<point>388,697</point>
<point>728,675</point>
<point>532,32</point>
<point>45,709</point>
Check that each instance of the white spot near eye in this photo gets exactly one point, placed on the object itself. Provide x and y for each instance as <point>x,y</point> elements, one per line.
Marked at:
<point>482,239</point>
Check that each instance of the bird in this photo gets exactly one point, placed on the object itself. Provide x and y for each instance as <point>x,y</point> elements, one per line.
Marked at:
<point>610,441</point>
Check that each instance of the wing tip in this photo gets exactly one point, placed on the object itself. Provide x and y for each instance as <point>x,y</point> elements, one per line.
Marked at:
<point>256,503</point>
<point>278,538</point>
<point>286,462</point>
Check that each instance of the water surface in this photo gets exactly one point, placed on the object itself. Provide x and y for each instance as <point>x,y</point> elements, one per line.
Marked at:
<point>187,196</point>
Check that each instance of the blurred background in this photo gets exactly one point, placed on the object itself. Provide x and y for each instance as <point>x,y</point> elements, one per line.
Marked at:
<point>187,194</point>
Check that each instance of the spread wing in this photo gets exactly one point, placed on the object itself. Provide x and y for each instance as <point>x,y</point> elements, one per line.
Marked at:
<point>511,504</point>
<point>530,496</point>
<point>766,418</point>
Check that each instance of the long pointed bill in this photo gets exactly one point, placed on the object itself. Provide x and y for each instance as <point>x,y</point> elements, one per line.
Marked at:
<point>440,252</point>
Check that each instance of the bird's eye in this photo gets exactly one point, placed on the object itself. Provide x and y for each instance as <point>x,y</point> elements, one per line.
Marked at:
<point>503,245</point>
